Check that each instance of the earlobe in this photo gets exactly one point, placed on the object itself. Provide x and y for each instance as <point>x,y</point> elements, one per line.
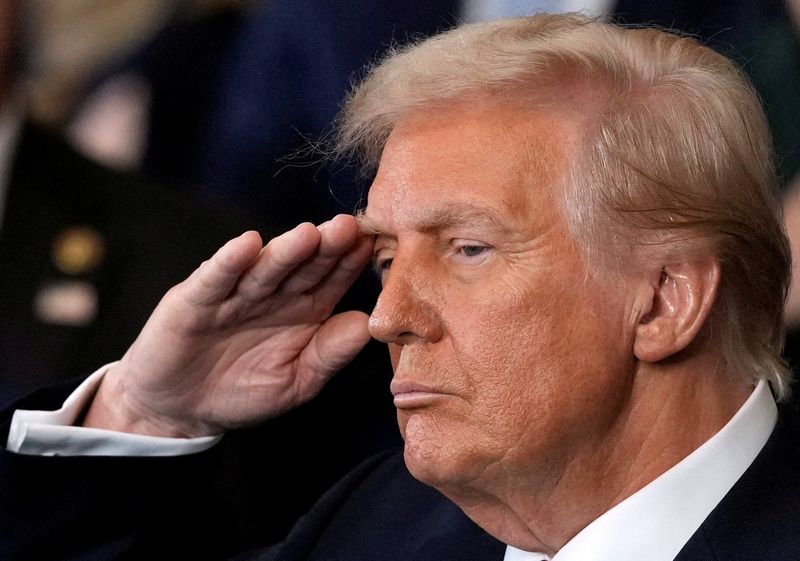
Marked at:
<point>681,303</point>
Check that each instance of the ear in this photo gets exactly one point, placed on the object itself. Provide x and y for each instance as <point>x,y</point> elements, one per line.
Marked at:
<point>681,303</point>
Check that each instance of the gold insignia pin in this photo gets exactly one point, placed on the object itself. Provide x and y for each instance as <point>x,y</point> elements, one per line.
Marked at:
<point>78,250</point>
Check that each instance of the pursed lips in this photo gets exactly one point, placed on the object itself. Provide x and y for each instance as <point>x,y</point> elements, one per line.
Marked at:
<point>410,395</point>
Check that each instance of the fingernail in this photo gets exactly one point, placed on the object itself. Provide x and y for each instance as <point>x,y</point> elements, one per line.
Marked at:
<point>323,225</point>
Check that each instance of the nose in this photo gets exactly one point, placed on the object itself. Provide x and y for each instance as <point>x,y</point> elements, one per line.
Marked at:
<point>404,313</point>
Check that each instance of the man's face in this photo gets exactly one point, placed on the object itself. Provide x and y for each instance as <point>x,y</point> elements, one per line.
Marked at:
<point>509,357</point>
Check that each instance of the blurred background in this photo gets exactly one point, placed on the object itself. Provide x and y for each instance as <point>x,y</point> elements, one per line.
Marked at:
<point>222,97</point>
<point>137,135</point>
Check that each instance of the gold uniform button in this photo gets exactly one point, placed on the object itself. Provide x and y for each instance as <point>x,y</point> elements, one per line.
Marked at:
<point>78,250</point>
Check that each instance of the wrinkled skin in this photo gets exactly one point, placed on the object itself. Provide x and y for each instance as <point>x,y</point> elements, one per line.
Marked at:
<point>486,302</point>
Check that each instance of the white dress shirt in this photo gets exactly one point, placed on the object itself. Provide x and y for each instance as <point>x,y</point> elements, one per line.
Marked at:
<point>653,524</point>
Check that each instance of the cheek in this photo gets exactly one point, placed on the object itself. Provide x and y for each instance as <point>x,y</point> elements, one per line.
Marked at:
<point>515,332</point>
<point>528,353</point>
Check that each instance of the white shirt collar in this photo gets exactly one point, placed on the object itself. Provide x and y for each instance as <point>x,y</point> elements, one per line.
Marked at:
<point>657,521</point>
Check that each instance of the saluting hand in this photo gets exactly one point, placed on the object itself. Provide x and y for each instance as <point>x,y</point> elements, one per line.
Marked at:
<point>248,336</point>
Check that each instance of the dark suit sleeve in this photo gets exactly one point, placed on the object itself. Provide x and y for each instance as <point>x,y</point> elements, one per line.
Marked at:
<point>104,507</point>
<point>129,507</point>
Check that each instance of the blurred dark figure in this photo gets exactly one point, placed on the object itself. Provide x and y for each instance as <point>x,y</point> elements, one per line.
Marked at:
<point>85,253</point>
<point>172,76</point>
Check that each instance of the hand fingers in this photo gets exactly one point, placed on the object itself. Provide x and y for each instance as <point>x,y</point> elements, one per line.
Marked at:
<point>279,258</point>
<point>334,345</point>
<point>214,280</point>
<point>337,237</point>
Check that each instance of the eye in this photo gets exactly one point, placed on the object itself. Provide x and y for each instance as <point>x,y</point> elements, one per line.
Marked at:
<point>472,250</point>
<point>382,262</point>
<point>382,265</point>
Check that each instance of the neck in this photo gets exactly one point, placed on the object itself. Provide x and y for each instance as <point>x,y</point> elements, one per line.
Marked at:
<point>669,413</point>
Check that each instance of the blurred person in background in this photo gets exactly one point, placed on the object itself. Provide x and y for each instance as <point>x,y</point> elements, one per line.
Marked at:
<point>85,254</point>
<point>84,251</point>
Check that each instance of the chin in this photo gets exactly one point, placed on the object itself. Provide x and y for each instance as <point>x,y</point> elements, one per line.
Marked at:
<point>439,457</point>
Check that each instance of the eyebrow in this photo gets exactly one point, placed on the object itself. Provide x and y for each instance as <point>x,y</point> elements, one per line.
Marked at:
<point>464,214</point>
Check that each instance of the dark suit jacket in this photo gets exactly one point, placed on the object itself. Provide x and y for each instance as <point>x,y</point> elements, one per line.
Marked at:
<point>383,514</point>
<point>141,508</point>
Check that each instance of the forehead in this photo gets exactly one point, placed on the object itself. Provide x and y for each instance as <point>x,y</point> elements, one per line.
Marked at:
<point>502,159</point>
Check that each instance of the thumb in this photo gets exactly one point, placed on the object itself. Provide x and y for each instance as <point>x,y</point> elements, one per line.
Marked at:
<point>335,344</point>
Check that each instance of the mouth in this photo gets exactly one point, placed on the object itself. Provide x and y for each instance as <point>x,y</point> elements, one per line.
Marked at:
<point>411,396</point>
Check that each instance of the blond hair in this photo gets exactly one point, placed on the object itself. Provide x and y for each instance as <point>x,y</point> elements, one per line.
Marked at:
<point>675,150</point>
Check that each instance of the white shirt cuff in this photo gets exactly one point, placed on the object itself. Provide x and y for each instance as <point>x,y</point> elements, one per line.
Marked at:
<point>50,433</point>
